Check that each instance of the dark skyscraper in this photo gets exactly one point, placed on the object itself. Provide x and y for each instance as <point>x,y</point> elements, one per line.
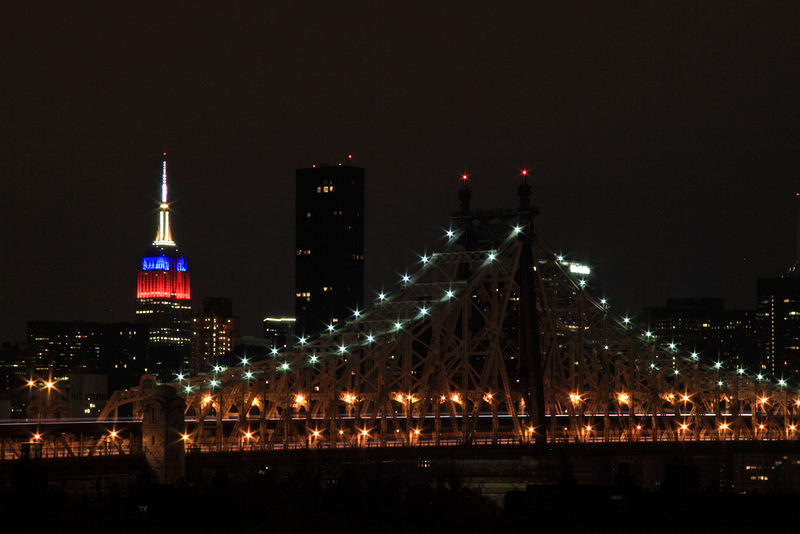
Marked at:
<point>329,267</point>
<point>778,322</point>
<point>162,296</point>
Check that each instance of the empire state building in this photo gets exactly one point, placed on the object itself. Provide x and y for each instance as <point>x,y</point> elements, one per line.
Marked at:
<point>163,296</point>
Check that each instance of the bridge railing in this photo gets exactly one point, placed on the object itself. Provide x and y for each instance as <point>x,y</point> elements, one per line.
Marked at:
<point>43,443</point>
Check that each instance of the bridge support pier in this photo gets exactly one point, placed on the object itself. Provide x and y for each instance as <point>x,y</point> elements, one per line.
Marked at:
<point>162,429</point>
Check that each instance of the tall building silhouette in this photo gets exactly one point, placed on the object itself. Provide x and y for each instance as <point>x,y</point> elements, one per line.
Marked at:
<point>329,266</point>
<point>778,316</point>
<point>163,296</point>
<point>778,319</point>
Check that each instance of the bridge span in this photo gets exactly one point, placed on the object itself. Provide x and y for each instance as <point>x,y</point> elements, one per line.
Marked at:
<point>494,338</point>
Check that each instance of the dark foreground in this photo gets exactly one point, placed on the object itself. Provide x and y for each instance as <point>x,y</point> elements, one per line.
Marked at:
<point>384,497</point>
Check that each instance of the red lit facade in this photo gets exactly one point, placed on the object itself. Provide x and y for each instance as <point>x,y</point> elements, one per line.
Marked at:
<point>163,284</point>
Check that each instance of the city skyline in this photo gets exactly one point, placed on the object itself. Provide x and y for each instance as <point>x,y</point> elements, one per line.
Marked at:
<point>662,144</point>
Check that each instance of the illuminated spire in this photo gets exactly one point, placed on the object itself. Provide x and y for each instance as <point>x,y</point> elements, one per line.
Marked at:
<point>164,235</point>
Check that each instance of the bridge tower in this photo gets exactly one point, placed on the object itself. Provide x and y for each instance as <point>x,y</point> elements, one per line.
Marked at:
<point>162,434</point>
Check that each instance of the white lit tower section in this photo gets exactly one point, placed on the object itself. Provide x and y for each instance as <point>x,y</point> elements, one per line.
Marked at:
<point>163,292</point>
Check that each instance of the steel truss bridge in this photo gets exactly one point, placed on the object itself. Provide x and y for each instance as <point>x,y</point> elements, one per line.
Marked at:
<point>492,340</point>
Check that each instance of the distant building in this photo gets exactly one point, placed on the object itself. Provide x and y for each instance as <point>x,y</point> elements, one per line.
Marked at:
<point>88,395</point>
<point>163,297</point>
<point>702,325</point>
<point>685,322</point>
<point>214,333</point>
<point>279,331</point>
<point>733,338</point>
<point>62,347</point>
<point>13,372</point>
<point>329,266</point>
<point>57,348</point>
<point>778,318</point>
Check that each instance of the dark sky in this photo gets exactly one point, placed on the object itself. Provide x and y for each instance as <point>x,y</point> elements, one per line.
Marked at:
<point>663,140</point>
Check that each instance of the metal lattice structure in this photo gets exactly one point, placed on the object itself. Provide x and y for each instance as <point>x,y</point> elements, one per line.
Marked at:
<point>492,340</point>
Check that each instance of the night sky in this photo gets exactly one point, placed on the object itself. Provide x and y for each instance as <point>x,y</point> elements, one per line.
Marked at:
<point>664,141</point>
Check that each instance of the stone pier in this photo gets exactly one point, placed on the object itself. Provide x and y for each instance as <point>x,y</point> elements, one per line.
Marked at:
<point>162,429</point>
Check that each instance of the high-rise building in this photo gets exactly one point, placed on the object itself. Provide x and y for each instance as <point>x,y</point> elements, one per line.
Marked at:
<point>329,266</point>
<point>778,322</point>
<point>687,322</point>
<point>162,296</point>
<point>214,333</point>
<point>734,339</point>
<point>279,331</point>
<point>58,349</point>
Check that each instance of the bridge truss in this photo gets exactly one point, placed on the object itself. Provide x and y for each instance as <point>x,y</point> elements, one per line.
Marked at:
<point>492,340</point>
